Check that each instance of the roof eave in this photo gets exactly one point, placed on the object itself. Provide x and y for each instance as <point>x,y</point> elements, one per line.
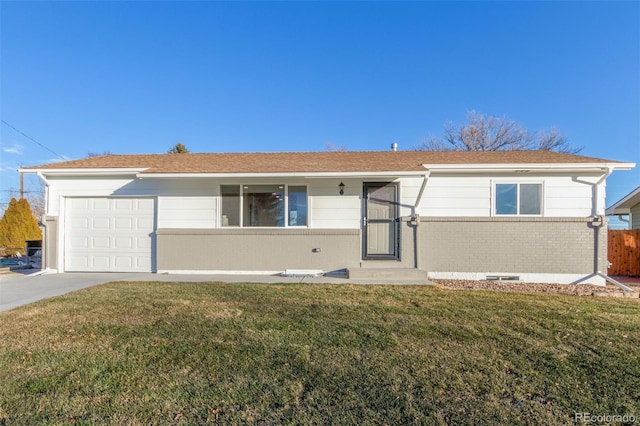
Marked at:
<point>524,167</point>
<point>85,171</point>
<point>308,175</point>
<point>623,206</point>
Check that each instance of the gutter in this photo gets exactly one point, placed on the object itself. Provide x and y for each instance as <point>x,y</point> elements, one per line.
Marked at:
<point>594,188</point>
<point>306,175</point>
<point>106,171</point>
<point>527,167</point>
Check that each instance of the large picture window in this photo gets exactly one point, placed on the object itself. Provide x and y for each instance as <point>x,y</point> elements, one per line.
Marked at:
<point>263,205</point>
<point>518,199</point>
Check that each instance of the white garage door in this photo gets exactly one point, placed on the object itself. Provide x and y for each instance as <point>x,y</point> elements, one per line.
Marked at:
<point>108,234</point>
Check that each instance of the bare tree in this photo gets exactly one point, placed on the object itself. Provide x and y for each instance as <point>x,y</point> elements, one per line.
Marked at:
<point>487,133</point>
<point>98,154</point>
<point>179,148</point>
<point>331,147</point>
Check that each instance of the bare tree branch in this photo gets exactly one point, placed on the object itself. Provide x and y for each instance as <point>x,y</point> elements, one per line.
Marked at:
<point>488,133</point>
<point>331,147</point>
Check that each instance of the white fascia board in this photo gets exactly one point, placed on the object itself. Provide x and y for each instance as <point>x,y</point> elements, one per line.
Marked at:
<point>307,175</point>
<point>522,167</point>
<point>84,172</point>
<point>615,211</point>
<point>624,205</point>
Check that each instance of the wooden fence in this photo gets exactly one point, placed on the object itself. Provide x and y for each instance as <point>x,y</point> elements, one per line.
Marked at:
<point>623,251</point>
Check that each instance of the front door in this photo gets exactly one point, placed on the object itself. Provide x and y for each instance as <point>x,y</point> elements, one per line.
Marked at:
<point>380,221</point>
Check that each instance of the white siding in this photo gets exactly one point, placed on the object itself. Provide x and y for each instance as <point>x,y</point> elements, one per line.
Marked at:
<point>329,209</point>
<point>634,217</point>
<point>456,196</point>
<point>409,190</point>
<point>124,187</point>
<point>187,212</point>
<point>563,196</point>
<point>566,197</point>
<point>193,203</point>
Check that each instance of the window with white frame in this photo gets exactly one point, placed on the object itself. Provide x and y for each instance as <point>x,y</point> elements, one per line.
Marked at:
<point>518,199</point>
<point>263,205</point>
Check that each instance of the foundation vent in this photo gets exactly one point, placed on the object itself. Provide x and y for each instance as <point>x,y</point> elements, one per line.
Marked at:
<point>503,278</point>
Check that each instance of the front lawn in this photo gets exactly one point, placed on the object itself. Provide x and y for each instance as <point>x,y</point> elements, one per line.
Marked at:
<point>197,353</point>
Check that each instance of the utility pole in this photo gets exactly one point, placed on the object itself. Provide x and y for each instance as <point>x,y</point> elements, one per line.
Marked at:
<point>21,184</point>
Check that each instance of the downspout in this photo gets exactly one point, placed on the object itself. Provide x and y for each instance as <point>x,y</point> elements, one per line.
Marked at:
<point>45,259</point>
<point>416,219</point>
<point>615,282</point>
<point>598,222</point>
<point>623,220</point>
<point>596,185</point>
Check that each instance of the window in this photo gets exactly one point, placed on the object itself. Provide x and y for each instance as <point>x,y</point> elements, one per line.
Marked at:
<point>230,205</point>
<point>297,206</point>
<point>263,205</point>
<point>518,199</point>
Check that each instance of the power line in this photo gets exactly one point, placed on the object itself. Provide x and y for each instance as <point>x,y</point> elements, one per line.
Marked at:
<point>33,140</point>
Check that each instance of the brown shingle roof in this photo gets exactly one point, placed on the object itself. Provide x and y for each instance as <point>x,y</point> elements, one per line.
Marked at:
<point>290,162</point>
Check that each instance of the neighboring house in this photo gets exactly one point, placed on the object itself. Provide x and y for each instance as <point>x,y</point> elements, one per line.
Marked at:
<point>534,215</point>
<point>629,206</point>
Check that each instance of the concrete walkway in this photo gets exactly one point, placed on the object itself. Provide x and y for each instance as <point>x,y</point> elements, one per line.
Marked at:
<point>18,289</point>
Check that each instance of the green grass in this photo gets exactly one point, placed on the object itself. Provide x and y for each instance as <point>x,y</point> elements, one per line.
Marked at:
<point>197,353</point>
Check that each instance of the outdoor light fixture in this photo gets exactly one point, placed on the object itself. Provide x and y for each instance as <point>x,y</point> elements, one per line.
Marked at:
<point>341,186</point>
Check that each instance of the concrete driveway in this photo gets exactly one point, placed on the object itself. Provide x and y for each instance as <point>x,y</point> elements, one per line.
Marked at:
<point>18,289</point>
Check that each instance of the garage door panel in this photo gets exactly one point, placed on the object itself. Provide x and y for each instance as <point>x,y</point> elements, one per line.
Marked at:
<point>80,223</point>
<point>143,243</point>
<point>101,262</point>
<point>143,263</point>
<point>126,205</point>
<point>124,223</point>
<point>78,203</point>
<point>144,223</point>
<point>123,262</point>
<point>123,243</point>
<point>109,234</point>
<point>79,243</point>
<point>100,204</point>
<point>101,223</point>
<point>78,262</point>
<point>145,204</point>
<point>101,242</point>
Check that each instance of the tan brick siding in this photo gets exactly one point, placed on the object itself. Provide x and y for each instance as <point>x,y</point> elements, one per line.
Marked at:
<point>257,249</point>
<point>522,245</point>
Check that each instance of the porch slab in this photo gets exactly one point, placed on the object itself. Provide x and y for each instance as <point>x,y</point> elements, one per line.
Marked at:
<point>396,274</point>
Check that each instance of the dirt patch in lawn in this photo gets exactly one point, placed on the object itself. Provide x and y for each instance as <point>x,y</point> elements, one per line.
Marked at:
<point>609,290</point>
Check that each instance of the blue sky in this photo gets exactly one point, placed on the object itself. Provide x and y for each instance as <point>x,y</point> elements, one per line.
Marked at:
<point>139,77</point>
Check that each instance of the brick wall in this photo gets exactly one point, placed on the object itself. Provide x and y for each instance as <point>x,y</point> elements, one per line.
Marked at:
<point>522,245</point>
<point>257,249</point>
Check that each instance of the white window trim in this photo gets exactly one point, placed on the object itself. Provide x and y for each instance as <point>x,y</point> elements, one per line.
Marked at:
<point>517,182</point>
<point>241,201</point>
